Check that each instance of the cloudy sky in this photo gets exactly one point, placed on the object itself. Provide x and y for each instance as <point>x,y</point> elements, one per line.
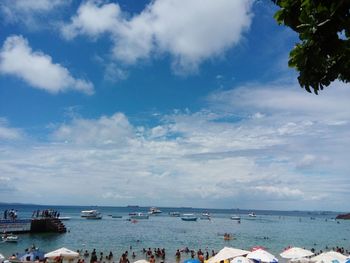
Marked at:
<point>166,103</point>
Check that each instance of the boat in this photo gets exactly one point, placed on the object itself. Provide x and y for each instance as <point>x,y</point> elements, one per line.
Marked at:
<point>91,214</point>
<point>139,216</point>
<point>9,238</point>
<point>189,217</point>
<point>117,216</point>
<point>252,214</point>
<point>236,217</point>
<point>64,218</point>
<point>175,214</point>
<point>154,211</point>
<point>205,216</point>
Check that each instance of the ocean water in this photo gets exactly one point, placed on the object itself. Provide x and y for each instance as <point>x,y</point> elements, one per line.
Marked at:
<point>273,230</point>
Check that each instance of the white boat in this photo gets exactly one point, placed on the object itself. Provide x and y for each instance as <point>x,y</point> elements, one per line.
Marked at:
<point>64,218</point>
<point>175,214</point>
<point>139,216</point>
<point>154,211</point>
<point>235,217</point>
<point>9,238</point>
<point>252,214</point>
<point>189,217</point>
<point>205,216</point>
<point>91,214</point>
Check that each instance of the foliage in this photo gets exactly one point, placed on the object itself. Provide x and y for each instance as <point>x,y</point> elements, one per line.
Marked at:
<point>323,26</point>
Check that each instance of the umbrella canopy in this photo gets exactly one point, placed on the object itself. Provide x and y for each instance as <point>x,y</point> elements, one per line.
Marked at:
<point>300,260</point>
<point>192,260</point>
<point>141,261</point>
<point>65,253</point>
<point>227,253</point>
<point>2,257</point>
<point>262,256</point>
<point>296,252</point>
<point>329,257</point>
<point>241,260</point>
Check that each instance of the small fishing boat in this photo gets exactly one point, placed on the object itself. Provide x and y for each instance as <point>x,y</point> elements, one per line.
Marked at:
<point>154,211</point>
<point>139,216</point>
<point>64,218</point>
<point>175,214</point>
<point>189,217</point>
<point>9,238</point>
<point>205,216</point>
<point>91,214</point>
<point>235,217</point>
<point>252,214</point>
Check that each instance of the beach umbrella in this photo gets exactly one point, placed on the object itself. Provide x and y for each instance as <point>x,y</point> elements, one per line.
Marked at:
<point>347,260</point>
<point>262,256</point>
<point>141,261</point>
<point>192,260</point>
<point>227,253</point>
<point>300,260</point>
<point>241,260</point>
<point>2,257</point>
<point>32,255</point>
<point>65,253</point>
<point>329,257</point>
<point>296,252</point>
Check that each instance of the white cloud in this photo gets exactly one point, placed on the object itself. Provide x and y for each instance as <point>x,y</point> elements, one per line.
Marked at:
<point>8,133</point>
<point>204,29</point>
<point>37,69</point>
<point>106,130</point>
<point>217,159</point>
<point>28,12</point>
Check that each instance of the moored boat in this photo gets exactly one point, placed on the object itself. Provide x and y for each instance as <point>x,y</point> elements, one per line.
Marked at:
<point>175,214</point>
<point>154,211</point>
<point>205,216</point>
<point>252,214</point>
<point>189,217</point>
<point>139,216</point>
<point>235,217</point>
<point>91,214</point>
<point>9,238</point>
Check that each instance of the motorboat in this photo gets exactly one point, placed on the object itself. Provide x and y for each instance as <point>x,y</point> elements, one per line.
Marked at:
<point>189,217</point>
<point>64,218</point>
<point>9,238</point>
<point>175,214</point>
<point>236,217</point>
<point>139,216</point>
<point>252,214</point>
<point>91,214</point>
<point>205,216</point>
<point>154,211</point>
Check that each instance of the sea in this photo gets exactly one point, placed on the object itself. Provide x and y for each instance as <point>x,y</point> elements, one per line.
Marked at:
<point>273,230</point>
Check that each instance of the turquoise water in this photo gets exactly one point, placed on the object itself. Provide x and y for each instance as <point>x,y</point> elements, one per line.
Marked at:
<point>274,230</point>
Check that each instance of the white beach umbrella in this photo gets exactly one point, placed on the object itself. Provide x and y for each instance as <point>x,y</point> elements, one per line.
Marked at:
<point>262,256</point>
<point>227,253</point>
<point>300,260</point>
<point>2,257</point>
<point>329,257</point>
<point>296,252</point>
<point>241,260</point>
<point>65,253</point>
<point>141,261</point>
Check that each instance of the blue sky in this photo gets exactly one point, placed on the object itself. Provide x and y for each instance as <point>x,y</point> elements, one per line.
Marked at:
<point>167,103</point>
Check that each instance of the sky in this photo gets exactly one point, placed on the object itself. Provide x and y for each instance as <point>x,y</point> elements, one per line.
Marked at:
<point>164,103</point>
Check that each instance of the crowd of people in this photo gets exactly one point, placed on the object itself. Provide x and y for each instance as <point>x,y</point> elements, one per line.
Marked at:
<point>47,213</point>
<point>10,214</point>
